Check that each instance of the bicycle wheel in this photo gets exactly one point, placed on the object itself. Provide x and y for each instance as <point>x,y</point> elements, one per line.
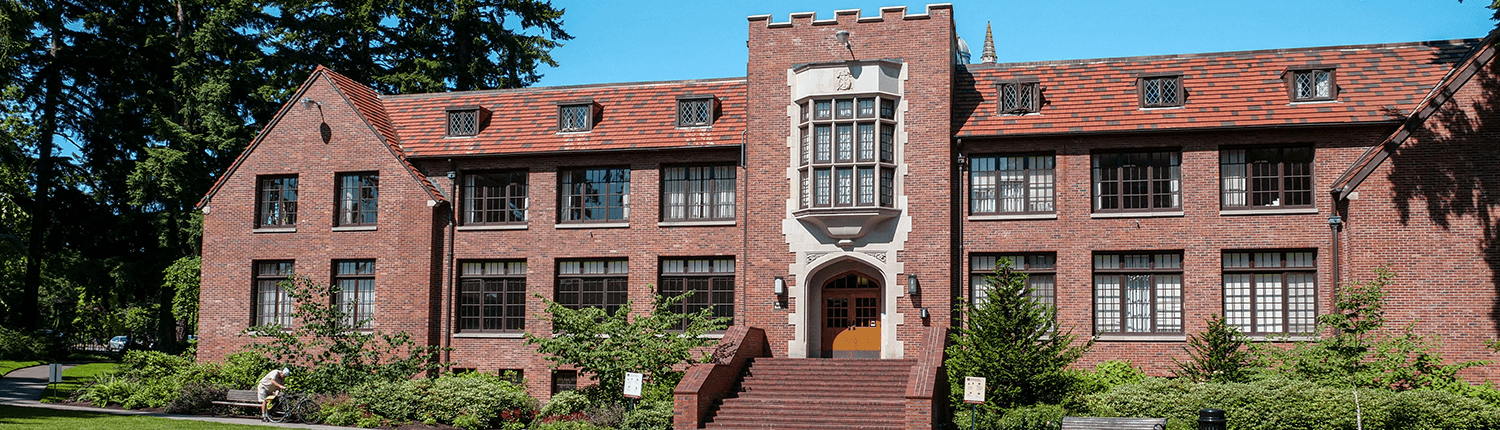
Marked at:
<point>281,408</point>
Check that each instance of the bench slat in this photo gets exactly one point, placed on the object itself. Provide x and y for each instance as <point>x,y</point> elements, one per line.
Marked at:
<point>1097,423</point>
<point>241,396</point>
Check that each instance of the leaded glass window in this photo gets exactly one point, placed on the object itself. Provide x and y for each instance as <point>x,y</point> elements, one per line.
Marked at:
<point>848,152</point>
<point>575,117</point>
<point>1019,97</point>
<point>463,122</point>
<point>1312,85</point>
<point>1161,91</point>
<point>695,112</point>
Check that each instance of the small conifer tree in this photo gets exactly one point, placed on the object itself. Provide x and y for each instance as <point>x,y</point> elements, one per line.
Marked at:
<point>1217,355</point>
<point>1013,341</point>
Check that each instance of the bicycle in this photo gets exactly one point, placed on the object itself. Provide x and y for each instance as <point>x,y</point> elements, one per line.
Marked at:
<point>290,407</point>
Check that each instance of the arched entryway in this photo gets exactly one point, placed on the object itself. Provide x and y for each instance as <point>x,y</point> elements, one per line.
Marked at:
<point>850,316</point>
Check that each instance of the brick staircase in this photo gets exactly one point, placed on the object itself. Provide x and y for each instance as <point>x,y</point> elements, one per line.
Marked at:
<point>814,393</point>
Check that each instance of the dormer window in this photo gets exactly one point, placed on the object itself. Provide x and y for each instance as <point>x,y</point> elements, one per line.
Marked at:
<point>695,111</point>
<point>1309,85</point>
<point>1161,91</point>
<point>465,120</point>
<point>1018,97</point>
<point>575,117</point>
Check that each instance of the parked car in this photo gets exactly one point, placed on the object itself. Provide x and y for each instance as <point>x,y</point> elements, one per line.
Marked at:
<point>117,343</point>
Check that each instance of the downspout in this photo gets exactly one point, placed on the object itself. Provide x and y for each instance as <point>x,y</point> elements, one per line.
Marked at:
<point>1335,223</point>
<point>960,290</point>
<point>448,297</point>
<point>744,228</point>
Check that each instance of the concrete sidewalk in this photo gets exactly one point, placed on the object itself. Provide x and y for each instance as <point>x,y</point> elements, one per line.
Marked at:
<point>24,387</point>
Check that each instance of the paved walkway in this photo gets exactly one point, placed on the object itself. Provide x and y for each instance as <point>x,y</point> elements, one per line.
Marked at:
<point>23,388</point>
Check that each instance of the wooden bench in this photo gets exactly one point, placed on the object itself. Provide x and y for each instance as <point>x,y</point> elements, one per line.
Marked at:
<point>1094,423</point>
<point>246,398</point>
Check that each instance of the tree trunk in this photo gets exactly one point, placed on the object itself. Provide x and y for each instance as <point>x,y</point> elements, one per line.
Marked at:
<point>41,217</point>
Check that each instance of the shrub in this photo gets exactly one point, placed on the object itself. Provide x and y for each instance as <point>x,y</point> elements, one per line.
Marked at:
<point>473,401</point>
<point>395,400</point>
<point>565,425</point>
<point>151,365</point>
<point>1284,404</point>
<point>34,346</point>
<point>564,403</point>
<point>649,415</point>
<point>340,411</point>
<point>107,390</point>
<point>1035,417</point>
<point>195,398</point>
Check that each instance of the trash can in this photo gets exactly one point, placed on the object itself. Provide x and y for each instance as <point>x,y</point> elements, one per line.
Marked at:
<point>1211,419</point>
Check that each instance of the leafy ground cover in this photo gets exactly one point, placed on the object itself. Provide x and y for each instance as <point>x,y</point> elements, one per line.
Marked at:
<point>73,379</point>
<point>13,417</point>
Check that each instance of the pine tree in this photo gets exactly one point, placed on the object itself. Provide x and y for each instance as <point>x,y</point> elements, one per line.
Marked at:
<point>1217,355</point>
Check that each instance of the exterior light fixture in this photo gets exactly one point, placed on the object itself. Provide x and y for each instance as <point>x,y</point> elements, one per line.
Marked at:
<point>962,161</point>
<point>1334,221</point>
<point>843,37</point>
<point>925,315</point>
<point>780,286</point>
<point>308,102</point>
<point>911,285</point>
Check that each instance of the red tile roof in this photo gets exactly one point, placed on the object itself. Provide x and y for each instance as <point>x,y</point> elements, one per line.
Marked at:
<point>633,116</point>
<point>1230,89</point>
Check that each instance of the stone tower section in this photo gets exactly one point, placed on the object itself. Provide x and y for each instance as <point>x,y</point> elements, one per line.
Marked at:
<point>831,191</point>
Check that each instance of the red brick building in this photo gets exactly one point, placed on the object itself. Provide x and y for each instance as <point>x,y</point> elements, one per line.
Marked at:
<point>843,196</point>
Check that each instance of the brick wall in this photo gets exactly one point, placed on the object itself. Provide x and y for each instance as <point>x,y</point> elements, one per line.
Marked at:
<point>401,244</point>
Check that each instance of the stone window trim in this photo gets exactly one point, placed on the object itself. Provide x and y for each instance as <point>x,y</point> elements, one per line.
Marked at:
<point>697,110</point>
<point>1160,90</point>
<point>276,201</point>
<point>358,199</point>
<point>1137,181</point>
<point>1271,292</point>
<point>494,198</point>
<point>269,303</point>
<point>578,116</point>
<point>492,297</point>
<point>692,193</point>
<point>355,280</point>
<point>1311,83</point>
<point>996,187</point>
<point>465,120</point>
<point>1258,178</point>
<point>1018,96</point>
<point>711,279</point>
<point>594,195</point>
<point>1138,293</point>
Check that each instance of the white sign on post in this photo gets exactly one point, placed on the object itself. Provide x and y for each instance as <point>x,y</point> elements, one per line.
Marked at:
<point>633,385</point>
<point>54,373</point>
<point>973,389</point>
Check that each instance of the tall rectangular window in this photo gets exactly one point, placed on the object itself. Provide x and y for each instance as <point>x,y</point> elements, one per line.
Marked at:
<point>1011,184</point>
<point>276,201</point>
<point>272,305</point>
<point>1163,91</point>
<point>492,296</point>
<point>356,298</point>
<point>848,147</point>
<point>1311,85</point>
<point>494,198</point>
<point>592,283</point>
<point>1137,181</point>
<point>1271,292</point>
<point>698,193</point>
<point>1138,293</point>
<point>711,280</point>
<point>1040,270</point>
<point>359,199</point>
<point>1266,177</point>
<point>695,112</point>
<point>595,195</point>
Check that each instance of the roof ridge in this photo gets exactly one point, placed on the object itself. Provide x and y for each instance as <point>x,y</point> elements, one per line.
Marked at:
<point>1192,55</point>
<point>568,87</point>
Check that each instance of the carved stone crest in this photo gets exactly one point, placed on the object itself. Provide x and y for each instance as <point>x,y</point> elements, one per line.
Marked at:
<point>845,80</point>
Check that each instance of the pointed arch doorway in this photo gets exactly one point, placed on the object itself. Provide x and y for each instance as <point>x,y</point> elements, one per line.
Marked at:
<point>851,317</point>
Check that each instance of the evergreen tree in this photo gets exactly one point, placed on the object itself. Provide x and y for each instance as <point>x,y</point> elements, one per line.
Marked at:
<point>1217,355</point>
<point>1014,342</point>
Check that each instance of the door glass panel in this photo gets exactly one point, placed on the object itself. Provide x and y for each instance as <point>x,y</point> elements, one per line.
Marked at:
<point>837,312</point>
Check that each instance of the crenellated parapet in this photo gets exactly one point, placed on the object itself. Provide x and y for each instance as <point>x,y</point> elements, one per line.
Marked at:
<point>849,16</point>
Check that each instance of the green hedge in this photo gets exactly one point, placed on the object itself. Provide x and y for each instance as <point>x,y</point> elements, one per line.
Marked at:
<point>471,401</point>
<point>1281,404</point>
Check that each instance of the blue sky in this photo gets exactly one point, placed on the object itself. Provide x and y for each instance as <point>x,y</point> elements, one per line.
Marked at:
<point>628,41</point>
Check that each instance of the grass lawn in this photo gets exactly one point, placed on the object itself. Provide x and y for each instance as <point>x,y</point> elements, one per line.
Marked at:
<point>7,366</point>
<point>12,417</point>
<point>74,378</point>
